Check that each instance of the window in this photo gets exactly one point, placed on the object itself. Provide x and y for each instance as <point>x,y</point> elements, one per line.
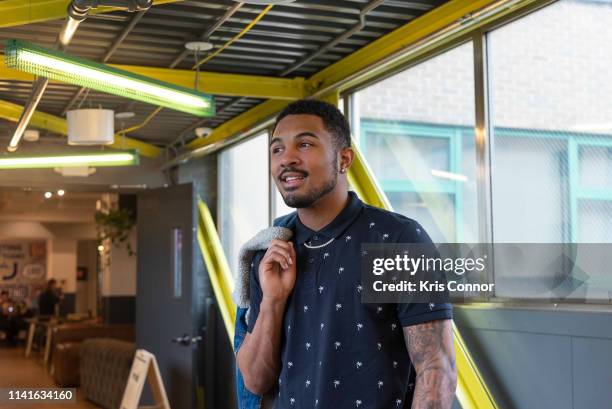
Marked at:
<point>552,144</point>
<point>416,130</point>
<point>243,194</point>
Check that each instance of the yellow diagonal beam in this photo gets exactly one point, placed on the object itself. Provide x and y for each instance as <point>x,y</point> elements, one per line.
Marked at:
<point>217,267</point>
<point>345,68</point>
<point>12,112</point>
<point>20,12</point>
<point>393,42</point>
<point>235,85</point>
<point>472,392</point>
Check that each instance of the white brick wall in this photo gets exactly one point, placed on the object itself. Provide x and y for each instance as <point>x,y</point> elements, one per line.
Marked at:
<point>549,70</point>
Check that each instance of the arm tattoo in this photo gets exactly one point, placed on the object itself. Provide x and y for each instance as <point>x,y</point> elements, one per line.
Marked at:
<point>432,352</point>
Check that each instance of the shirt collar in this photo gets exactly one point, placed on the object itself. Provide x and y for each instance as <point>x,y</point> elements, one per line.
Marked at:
<point>336,227</point>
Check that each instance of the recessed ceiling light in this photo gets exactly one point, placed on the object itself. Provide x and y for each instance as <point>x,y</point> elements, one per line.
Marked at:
<point>48,195</point>
<point>199,46</point>
<point>61,192</point>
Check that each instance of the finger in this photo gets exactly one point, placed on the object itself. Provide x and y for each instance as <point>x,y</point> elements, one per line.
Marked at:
<point>285,251</point>
<point>278,257</point>
<point>280,243</point>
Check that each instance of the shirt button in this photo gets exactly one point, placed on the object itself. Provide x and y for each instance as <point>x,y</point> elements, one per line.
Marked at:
<point>311,260</point>
<point>315,237</point>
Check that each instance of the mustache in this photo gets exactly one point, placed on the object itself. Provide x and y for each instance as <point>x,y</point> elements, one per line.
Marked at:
<point>292,170</point>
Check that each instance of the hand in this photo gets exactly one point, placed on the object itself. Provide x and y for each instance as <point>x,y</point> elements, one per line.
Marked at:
<point>277,271</point>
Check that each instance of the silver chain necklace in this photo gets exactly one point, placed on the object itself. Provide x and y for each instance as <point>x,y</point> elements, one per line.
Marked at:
<point>319,246</point>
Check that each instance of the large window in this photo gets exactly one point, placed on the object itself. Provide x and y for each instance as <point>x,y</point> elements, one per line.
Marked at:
<point>548,150</point>
<point>243,194</point>
<point>552,144</point>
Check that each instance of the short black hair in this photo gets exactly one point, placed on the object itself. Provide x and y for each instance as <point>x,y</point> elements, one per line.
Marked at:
<point>333,120</point>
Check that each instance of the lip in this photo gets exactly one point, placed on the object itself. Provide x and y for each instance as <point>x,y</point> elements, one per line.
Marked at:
<point>292,184</point>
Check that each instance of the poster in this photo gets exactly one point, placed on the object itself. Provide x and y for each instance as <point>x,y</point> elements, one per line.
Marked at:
<point>23,268</point>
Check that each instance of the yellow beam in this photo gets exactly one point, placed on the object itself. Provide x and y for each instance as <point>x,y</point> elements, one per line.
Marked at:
<point>20,12</point>
<point>472,392</point>
<point>12,112</point>
<point>378,50</point>
<point>235,85</point>
<point>217,267</point>
<point>393,42</point>
<point>253,86</point>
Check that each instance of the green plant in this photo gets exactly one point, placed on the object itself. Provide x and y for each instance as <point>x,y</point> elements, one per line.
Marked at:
<point>115,225</point>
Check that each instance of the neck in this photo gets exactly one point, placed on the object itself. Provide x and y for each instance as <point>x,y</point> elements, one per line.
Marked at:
<point>324,210</point>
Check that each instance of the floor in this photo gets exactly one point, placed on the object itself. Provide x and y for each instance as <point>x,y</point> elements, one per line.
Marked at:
<point>17,371</point>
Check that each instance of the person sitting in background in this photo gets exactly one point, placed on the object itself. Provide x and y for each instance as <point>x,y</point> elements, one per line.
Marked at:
<point>49,299</point>
<point>9,318</point>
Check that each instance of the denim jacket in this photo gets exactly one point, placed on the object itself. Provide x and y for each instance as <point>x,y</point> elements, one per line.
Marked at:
<point>247,399</point>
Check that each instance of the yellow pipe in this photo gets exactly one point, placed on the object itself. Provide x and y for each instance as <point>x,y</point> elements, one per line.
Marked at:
<point>142,124</point>
<point>238,36</point>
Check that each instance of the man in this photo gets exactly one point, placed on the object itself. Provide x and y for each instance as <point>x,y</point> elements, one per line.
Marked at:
<point>308,332</point>
<point>49,299</point>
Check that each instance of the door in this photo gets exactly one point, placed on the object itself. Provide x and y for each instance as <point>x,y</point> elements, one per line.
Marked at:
<point>166,324</point>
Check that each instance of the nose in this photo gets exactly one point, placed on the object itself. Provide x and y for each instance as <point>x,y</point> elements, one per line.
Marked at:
<point>289,157</point>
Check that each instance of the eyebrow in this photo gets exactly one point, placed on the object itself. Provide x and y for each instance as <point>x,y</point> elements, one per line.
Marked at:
<point>300,135</point>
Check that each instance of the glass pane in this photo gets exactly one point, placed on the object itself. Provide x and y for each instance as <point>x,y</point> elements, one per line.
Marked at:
<point>551,145</point>
<point>596,167</point>
<point>243,194</point>
<point>416,130</point>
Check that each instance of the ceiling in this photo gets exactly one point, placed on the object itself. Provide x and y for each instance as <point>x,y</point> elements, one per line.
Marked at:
<point>284,36</point>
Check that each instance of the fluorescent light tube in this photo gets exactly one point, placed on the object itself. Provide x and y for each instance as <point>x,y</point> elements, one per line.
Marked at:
<point>56,65</point>
<point>125,158</point>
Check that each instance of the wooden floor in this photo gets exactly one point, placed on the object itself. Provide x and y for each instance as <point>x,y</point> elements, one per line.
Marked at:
<point>16,371</point>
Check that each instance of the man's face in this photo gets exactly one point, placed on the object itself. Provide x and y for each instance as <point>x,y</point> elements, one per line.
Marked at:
<point>304,160</point>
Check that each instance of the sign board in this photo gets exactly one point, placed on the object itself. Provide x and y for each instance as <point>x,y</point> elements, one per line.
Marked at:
<point>144,367</point>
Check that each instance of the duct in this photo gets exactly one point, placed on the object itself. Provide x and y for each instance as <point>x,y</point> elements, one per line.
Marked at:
<point>344,36</point>
<point>77,12</point>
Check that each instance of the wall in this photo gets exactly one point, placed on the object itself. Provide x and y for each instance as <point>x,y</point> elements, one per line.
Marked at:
<point>118,283</point>
<point>86,290</point>
<point>61,241</point>
<point>556,358</point>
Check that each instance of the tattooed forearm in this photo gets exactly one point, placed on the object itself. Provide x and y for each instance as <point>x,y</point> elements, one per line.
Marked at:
<point>432,353</point>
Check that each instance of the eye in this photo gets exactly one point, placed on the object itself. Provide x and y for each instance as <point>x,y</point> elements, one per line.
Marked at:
<point>305,144</point>
<point>276,149</point>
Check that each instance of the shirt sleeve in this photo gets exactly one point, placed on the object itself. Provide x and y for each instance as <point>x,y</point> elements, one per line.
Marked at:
<point>255,292</point>
<point>418,313</point>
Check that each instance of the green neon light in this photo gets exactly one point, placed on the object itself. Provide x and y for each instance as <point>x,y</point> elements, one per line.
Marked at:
<point>25,56</point>
<point>116,158</point>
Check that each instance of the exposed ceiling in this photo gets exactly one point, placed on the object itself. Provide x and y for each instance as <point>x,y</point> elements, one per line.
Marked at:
<point>284,36</point>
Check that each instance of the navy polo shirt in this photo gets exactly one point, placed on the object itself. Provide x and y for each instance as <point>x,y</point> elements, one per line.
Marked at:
<point>336,351</point>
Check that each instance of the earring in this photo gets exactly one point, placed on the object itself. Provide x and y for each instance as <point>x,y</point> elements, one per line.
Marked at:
<point>342,170</point>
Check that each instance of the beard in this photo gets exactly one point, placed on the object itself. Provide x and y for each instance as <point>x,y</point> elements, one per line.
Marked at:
<point>307,199</point>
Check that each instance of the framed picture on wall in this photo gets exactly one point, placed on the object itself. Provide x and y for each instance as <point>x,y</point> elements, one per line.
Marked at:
<point>82,273</point>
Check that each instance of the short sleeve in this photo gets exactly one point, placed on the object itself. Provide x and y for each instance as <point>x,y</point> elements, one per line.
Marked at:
<point>255,292</point>
<point>418,313</point>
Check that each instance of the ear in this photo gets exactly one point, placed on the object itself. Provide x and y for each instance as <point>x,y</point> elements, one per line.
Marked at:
<point>346,157</point>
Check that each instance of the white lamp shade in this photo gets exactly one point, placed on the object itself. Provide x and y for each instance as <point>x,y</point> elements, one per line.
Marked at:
<point>91,127</point>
